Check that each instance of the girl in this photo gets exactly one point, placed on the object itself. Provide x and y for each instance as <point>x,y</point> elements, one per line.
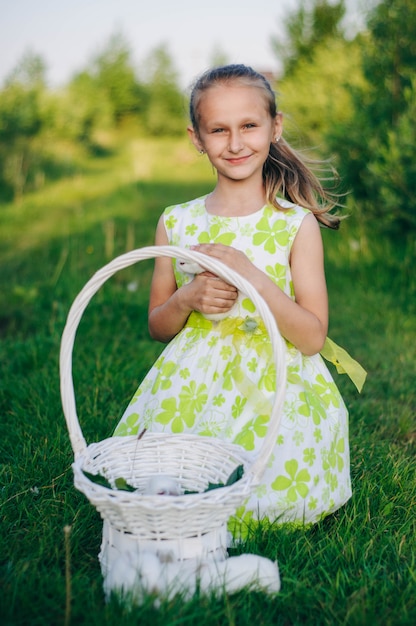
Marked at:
<point>216,378</point>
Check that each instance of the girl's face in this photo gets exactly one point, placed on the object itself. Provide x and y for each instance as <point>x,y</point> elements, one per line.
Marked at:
<point>235,130</point>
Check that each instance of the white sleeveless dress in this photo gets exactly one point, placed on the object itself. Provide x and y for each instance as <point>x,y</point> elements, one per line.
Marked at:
<point>217,378</point>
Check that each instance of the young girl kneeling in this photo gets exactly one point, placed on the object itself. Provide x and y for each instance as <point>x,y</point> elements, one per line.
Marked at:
<point>217,378</point>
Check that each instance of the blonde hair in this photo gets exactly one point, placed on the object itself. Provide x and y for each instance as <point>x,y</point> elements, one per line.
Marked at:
<point>285,171</point>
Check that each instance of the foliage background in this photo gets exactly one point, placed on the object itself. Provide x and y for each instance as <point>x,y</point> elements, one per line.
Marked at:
<point>349,97</point>
<point>85,172</point>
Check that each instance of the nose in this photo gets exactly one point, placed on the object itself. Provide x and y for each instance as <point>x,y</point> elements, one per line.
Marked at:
<point>235,142</point>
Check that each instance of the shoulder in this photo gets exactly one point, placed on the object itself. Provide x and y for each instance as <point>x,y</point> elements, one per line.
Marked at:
<point>178,218</point>
<point>293,216</point>
<point>195,206</point>
<point>294,212</point>
<point>308,239</point>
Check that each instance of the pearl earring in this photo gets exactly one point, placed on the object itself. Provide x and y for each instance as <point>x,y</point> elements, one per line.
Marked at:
<point>202,151</point>
<point>277,139</point>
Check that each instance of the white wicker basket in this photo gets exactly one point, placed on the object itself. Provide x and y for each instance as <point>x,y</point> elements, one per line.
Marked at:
<point>184,526</point>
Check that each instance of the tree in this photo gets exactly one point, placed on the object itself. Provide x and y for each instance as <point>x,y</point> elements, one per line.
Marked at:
<point>390,58</point>
<point>376,146</point>
<point>30,72</point>
<point>321,66</point>
<point>394,169</point>
<point>317,94</point>
<point>21,121</point>
<point>113,75</point>
<point>307,28</point>
<point>165,110</point>
<point>81,109</point>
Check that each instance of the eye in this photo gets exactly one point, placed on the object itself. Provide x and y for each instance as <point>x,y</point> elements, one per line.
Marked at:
<point>217,130</point>
<point>250,125</point>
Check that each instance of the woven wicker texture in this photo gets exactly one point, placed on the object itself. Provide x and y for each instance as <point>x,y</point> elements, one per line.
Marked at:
<point>192,460</point>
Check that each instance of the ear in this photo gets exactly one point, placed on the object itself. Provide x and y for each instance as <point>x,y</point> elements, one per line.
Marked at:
<point>194,138</point>
<point>278,125</point>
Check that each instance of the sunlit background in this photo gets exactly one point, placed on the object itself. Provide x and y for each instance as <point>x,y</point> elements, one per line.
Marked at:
<point>67,35</point>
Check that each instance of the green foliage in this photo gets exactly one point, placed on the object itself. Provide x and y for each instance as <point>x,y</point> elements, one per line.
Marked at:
<point>81,110</point>
<point>111,83</point>
<point>376,146</point>
<point>38,124</point>
<point>165,110</point>
<point>115,78</point>
<point>308,26</point>
<point>356,99</point>
<point>20,122</point>
<point>317,94</point>
<point>389,60</point>
<point>29,71</point>
<point>393,166</point>
<point>19,113</point>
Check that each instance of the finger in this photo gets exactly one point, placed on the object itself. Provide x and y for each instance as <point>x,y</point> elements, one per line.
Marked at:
<point>221,286</point>
<point>211,249</point>
<point>215,282</point>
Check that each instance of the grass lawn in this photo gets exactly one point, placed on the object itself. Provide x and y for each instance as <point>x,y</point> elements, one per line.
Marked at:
<point>355,567</point>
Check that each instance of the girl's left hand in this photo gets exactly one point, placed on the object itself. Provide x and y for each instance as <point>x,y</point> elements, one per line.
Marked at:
<point>233,258</point>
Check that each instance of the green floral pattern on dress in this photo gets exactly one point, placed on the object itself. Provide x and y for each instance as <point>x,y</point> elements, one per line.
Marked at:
<point>218,379</point>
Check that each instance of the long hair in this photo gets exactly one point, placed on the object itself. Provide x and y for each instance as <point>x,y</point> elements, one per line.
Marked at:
<point>285,171</point>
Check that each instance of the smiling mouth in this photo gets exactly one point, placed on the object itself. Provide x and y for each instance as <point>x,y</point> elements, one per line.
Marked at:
<point>238,160</point>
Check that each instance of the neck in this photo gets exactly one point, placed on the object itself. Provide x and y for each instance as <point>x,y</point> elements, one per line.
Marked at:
<point>237,199</point>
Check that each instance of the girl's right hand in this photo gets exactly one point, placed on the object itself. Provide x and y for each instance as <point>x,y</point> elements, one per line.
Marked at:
<point>208,294</point>
<point>170,307</point>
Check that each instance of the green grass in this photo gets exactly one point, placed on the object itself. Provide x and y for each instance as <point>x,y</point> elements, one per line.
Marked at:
<point>355,567</point>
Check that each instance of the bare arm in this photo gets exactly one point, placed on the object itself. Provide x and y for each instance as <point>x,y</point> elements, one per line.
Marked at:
<point>170,307</point>
<point>303,321</point>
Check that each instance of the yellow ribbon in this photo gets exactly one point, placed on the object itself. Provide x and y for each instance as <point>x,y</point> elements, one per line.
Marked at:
<point>242,329</point>
<point>344,363</point>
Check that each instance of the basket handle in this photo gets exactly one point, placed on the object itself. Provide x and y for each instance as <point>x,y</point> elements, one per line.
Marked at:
<point>209,263</point>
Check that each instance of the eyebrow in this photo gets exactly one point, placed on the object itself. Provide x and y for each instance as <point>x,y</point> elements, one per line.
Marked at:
<point>244,120</point>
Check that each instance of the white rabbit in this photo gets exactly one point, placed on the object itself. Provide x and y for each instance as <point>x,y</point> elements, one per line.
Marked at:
<point>193,268</point>
<point>125,577</point>
<point>136,574</point>
<point>159,484</point>
<point>238,572</point>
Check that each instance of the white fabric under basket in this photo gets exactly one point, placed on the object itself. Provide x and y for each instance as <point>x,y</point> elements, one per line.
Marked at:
<point>183,526</point>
